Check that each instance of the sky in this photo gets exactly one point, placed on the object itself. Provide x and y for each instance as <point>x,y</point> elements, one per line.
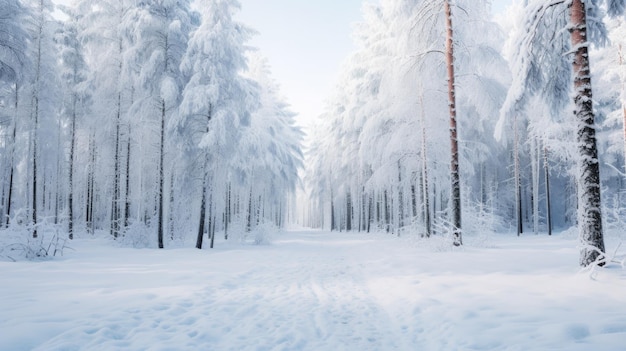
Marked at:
<point>306,43</point>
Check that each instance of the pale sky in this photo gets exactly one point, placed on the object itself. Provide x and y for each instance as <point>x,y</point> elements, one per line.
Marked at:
<point>306,42</point>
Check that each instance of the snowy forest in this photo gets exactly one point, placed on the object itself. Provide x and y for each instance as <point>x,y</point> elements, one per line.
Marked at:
<point>136,118</point>
<point>443,124</point>
<point>463,188</point>
<point>156,122</point>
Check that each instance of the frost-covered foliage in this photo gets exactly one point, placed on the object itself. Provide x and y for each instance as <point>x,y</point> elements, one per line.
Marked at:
<point>550,62</point>
<point>382,153</point>
<point>13,40</point>
<point>127,116</point>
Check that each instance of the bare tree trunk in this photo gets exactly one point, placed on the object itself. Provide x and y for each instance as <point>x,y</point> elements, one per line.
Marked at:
<point>400,199</point>
<point>454,174</point>
<point>621,64</point>
<point>425,193</point>
<point>70,195</point>
<point>127,195</point>
<point>547,178</point>
<point>333,220</point>
<point>387,213</point>
<point>115,204</point>
<point>518,182</point>
<point>90,184</point>
<point>227,213</point>
<point>36,129</point>
<point>348,211</point>
<point>589,208</point>
<point>12,165</point>
<point>200,235</point>
<point>161,176</point>
<point>171,212</point>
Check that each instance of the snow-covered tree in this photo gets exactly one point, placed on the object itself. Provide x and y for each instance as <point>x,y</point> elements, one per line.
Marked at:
<point>76,95</point>
<point>14,67</point>
<point>540,67</point>
<point>43,108</point>
<point>163,31</point>
<point>215,101</point>
<point>391,97</point>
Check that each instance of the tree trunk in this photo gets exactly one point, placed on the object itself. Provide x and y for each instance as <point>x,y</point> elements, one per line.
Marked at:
<point>70,195</point>
<point>202,213</point>
<point>348,211</point>
<point>227,213</point>
<point>161,176</point>
<point>548,203</point>
<point>425,193</point>
<point>36,119</point>
<point>623,69</point>
<point>115,208</point>
<point>518,181</point>
<point>90,184</point>
<point>127,190</point>
<point>454,174</point>
<point>12,165</point>
<point>589,207</point>
<point>536,156</point>
<point>212,219</point>
<point>400,199</point>
<point>333,220</point>
<point>387,214</point>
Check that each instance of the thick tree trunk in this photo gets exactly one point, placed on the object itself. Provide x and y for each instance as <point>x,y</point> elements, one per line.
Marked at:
<point>589,207</point>
<point>454,174</point>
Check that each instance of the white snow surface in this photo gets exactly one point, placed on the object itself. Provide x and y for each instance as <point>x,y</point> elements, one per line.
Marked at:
<point>314,290</point>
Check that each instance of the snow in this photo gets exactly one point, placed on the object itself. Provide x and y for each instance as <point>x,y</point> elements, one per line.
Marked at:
<point>313,290</point>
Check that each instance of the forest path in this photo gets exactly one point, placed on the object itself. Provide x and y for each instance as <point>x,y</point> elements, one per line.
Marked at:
<point>312,291</point>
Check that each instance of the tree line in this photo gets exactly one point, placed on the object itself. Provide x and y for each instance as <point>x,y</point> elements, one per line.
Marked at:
<point>140,117</point>
<point>450,126</point>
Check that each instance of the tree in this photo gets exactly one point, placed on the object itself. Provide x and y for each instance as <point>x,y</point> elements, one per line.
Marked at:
<point>43,98</point>
<point>389,97</point>
<point>215,102</point>
<point>590,215</point>
<point>14,67</point>
<point>74,77</point>
<point>539,68</point>
<point>454,174</point>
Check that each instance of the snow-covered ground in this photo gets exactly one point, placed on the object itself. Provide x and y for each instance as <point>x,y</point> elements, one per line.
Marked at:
<point>315,291</point>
